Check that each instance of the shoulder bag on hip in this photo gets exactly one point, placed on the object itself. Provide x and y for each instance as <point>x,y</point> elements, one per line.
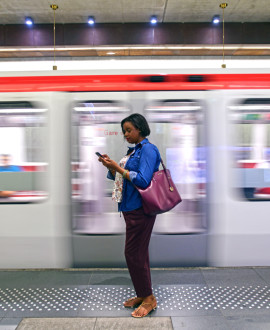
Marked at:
<point>161,195</point>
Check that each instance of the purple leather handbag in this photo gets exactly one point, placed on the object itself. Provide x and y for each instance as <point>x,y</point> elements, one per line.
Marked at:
<point>161,195</point>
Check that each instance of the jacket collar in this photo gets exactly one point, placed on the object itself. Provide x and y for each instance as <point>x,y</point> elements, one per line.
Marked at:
<point>138,145</point>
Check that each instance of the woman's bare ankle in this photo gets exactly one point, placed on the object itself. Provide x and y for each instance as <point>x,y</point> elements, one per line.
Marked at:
<point>151,297</point>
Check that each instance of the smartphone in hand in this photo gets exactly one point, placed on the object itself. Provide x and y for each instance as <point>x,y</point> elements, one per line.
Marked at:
<point>99,154</point>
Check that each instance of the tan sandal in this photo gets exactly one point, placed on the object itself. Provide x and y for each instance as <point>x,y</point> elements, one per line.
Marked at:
<point>153,307</point>
<point>133,302</point>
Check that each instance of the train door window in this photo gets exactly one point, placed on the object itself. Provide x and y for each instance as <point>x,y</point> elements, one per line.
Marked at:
<point>251,147</point>
<point>22,152</point>
<point>95,128</point>
<point>177,128</point>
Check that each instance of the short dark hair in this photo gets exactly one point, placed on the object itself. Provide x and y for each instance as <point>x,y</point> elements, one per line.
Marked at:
<point>138,121</point>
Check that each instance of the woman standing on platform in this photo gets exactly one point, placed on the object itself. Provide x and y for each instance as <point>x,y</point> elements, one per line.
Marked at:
<point>136,168</point>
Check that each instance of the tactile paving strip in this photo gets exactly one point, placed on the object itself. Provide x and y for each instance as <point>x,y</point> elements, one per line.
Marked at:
<point>110,298</point>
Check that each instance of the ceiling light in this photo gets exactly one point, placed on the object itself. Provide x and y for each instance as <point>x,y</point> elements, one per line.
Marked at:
<point>29,21</point>
<point>216,19</point>
<point>153,20</point>
<point>91,20</point>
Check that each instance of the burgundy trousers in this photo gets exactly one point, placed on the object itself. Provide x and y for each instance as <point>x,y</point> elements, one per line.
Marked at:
<point>138,233</point>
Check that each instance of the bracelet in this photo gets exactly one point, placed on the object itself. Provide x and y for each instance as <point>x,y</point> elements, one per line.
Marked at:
<point>125,174</point>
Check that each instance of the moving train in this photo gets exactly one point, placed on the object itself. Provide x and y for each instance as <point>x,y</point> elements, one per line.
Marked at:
<point>213,133</point>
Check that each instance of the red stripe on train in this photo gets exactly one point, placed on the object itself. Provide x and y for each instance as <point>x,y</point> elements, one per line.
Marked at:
<point>73,83</point>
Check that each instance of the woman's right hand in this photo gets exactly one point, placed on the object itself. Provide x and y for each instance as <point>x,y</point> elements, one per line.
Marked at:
<point>104,160</point>
<point>109,163</point>
<point>105,156</point>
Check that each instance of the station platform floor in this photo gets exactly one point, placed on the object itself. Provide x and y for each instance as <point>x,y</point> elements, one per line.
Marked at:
<point>188,298</point>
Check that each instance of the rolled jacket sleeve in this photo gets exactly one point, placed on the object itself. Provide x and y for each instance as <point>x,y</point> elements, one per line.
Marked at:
<point>147,166</point>
<point>110,175</point>
<point>132,175</point>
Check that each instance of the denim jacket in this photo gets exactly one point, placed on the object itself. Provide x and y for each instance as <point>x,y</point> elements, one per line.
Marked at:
<point>141,165</point>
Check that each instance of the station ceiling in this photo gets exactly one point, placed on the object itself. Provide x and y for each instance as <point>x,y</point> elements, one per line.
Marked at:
<point>123,28</point>
<point>132,11</point>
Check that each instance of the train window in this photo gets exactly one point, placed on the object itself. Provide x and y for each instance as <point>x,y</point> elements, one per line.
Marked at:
<point>95,128</point>
<point>251,150</point>
<point>22,152</point>
<point>177,128</point>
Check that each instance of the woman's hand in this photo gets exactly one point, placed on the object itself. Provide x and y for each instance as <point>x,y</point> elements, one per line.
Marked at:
<point>108,162</point>
<point>105,156</point>
<point>112,165</point>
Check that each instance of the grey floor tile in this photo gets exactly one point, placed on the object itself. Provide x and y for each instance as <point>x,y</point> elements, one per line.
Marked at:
<point>242,300</point>
<point>232,277</point>
<point>9,323</point>
<point>134,323</point>
<point>186,300</point>
<point>13,279</point>
<point>110,278</point>
<point>43,278</point>
<point>200,323</point>
<point>57,324</point>
<point>64,278</point>
<point>22,314</point>
<point>40,302</point>
<point>264,273</point>
<point>246,312</point>
<point>185,313</point>
<point>2,311</point>
<point>107,300</point>
<point>105,313</point>
<point>180,277</point>
<point>253,322</point>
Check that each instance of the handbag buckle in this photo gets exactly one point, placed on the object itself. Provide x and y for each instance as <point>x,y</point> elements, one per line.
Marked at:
<point>171,189</point>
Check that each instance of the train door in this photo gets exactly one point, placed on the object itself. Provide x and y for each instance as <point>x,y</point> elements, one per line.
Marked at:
<point>240,182</point>
<point>97,226</point>
<point>177,122</point>
<point>35,225</point>
<point>178,125</point>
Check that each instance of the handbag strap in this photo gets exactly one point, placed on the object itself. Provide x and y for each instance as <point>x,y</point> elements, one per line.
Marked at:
<point>165,171</point>
<point>167,175</point>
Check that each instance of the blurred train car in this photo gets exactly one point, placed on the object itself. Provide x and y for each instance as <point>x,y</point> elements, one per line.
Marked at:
<point>213,132</point>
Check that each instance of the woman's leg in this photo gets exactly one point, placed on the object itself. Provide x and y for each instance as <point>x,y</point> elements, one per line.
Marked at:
<point>138,233</point>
